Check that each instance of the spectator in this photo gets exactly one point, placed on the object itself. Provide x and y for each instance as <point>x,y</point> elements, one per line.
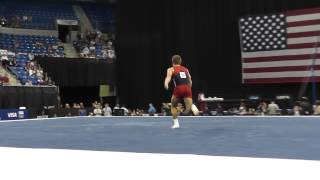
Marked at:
<point>132,113</point>
<point>306,106</point>
<point>94,45</point>
<point>82,110</point>
<point>262,108</point>
<point>151,110</point>
<point>317,108</point>
<point>5,79</point>
<point>165,109</point>
<point>117,106</point>
<point>43,114</point>
<point>219,110</point>
<point>242,109</point>
<point>97,111</point>
<point>139,112</point>
<point>85,52</point>
<point>125,110</point>
<point>39,73</point>
<point>75,106</point>
<point>95,104</point>
<point>55,47</point>
<point>29,19</point>
<point>25,18</point>
<point>28,83</point>
<point>109,44</point>
<point>180,107</point>
<point>13,62</point>
<point>17,24</point>
<point>202,103</point>
<point>50,82</point>
<point>92,49</point>
<point>104,53</point>
<point>31,71</point>
<point>4,58</point>
<point>296,110</point>
<point>111,54</point>
<point>3,21</point>
<point>107,110</point>
<point>67,106</point>
<point>206,111</point>
<point>251,112</point>
<point>31,56</point>
<point>273,108</point>
<point>80,35</point>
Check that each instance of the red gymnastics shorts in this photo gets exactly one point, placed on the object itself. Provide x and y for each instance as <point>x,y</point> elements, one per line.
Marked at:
<point>182,91</point>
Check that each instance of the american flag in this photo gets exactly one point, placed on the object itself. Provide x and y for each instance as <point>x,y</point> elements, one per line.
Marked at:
<point>281,47</point>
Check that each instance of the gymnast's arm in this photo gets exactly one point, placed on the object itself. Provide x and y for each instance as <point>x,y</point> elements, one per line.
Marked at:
<point>168,78</point>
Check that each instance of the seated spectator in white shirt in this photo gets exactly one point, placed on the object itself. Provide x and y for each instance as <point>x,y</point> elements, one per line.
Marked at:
<point>273,108</point>
<point>92,49</point>
<point>85,52</point>
<point>111,54</point>
<point>107,110</point>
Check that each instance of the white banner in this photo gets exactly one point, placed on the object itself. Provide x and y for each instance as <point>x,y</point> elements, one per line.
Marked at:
<point>67,22</point>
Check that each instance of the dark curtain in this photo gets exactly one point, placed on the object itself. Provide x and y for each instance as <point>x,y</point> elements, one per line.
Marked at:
<point>13,97</point>
<point>84,94</point>
<point>204,32</point>
<point>78,72</point>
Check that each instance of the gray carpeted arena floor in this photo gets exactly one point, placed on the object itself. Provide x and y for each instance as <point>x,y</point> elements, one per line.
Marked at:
<point>261,137</point>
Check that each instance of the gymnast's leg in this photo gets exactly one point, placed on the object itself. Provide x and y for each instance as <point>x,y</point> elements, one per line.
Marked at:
<point>174,112</point>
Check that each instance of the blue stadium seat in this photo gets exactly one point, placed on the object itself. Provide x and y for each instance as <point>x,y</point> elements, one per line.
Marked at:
<point>44,14</point>
<point>101,17</point>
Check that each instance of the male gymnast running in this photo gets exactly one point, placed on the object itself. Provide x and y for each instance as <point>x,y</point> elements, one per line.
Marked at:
<point>182,90</point>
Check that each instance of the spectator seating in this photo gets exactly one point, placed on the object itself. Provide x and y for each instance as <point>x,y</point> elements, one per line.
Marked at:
<point>38,15</point>
<point>80,45</point>
<point>38,45</point>
<point>93,45</point>
<point>101,17</point>
<point>20,72</point>
<point>23,46</point>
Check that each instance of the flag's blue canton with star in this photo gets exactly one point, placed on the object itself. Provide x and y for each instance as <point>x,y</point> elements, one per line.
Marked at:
<point>263,33</point>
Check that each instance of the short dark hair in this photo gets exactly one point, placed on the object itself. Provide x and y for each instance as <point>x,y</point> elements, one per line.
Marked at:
<point>176,59</point>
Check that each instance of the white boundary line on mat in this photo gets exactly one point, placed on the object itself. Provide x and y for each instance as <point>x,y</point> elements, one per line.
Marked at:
<point>156,117</point>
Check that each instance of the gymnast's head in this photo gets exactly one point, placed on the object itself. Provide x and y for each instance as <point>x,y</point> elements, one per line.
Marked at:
<point>176,60</point>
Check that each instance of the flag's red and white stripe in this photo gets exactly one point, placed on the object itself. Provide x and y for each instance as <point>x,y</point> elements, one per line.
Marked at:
<point>291,64</point>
